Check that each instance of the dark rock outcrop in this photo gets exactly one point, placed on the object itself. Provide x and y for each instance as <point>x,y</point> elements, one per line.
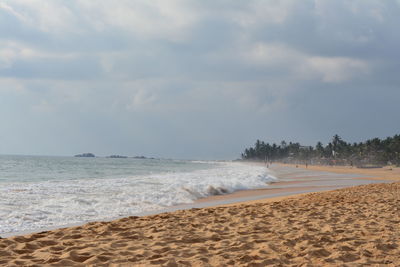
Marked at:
<point>85,155</point>
<point>117,157</point>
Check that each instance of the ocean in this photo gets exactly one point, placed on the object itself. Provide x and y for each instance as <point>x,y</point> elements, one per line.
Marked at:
<point>38,192</point>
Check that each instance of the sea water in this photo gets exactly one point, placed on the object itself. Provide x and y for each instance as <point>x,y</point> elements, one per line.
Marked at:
<point>45,192</point>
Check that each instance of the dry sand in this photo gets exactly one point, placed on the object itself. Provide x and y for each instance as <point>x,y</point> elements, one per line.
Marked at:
<point>354,226</point>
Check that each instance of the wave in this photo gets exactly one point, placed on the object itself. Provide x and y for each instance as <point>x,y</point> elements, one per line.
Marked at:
<point>29,206</point>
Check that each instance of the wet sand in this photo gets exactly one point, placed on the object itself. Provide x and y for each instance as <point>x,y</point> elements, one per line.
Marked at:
<point>354,225</point>
<point>294,181</point>
<point>384,173</point>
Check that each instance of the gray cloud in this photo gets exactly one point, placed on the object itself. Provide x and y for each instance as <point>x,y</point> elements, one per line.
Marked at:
<point>192,79</point>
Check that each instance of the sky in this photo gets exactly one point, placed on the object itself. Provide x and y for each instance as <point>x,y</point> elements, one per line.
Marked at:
<point>195,79</point>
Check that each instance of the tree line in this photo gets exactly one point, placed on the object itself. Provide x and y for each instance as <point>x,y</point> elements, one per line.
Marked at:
<point>374,151</point>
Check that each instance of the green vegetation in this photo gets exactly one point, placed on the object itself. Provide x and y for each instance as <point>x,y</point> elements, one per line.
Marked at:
<point>337,152</point>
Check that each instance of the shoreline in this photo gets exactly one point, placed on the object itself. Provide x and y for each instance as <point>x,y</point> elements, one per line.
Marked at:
<point>382,173</point>
<point>274,191</point>
<point>351,225</point>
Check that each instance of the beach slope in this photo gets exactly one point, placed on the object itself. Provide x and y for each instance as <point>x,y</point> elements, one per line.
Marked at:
<point>357,225</point>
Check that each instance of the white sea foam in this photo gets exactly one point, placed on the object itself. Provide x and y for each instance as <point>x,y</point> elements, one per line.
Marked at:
<point>30,206</point>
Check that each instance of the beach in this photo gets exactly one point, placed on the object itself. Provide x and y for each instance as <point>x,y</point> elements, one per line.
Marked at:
<point>356,225</point>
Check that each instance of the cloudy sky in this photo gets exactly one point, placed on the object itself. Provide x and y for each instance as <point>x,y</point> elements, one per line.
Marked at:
<point>195,79</point>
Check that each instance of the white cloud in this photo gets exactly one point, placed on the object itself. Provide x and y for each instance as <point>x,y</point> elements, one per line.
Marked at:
<point>334,69</point>
<point>11,51</point>
<point>6,58</point>
<point>43,106</point>
<point>142,100</point>
<point>12,86</point>
<point>301,66</point>
<point>147,19</point>
<point>272,54</point>
<point>265,97</point>
<point>48,16</point>
<point>258,12</point>
<point>11,11</point>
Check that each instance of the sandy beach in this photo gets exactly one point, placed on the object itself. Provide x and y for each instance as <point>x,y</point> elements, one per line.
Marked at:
<point>385,173</point>
<point>358,225</point>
